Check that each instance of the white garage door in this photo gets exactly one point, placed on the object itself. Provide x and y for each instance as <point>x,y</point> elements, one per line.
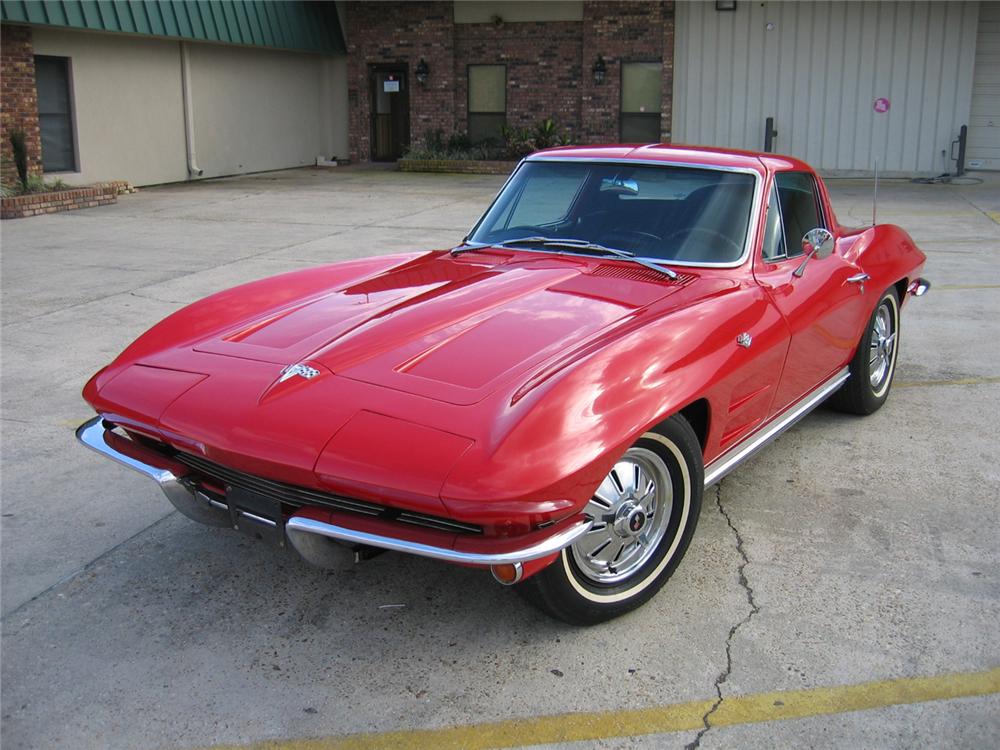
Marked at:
<point>984,124</point>
<point>818,69</point>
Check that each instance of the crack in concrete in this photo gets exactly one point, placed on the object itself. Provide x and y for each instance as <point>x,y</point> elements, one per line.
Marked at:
<point>754,609</point>
<point>151,298</point>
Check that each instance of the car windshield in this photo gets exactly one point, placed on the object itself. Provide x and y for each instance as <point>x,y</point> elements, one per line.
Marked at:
<point>681,214</point>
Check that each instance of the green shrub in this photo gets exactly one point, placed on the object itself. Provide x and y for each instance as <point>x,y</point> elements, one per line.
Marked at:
<point>515,143</point>
<point>20,150</point>
<point>33,184</point>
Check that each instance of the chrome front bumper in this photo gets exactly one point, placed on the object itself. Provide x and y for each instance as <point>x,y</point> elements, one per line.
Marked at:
<point>563,536</point>
<point>166,473</point>
<point>305,532</point>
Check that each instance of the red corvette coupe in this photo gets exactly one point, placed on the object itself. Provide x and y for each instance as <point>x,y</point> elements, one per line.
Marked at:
<point>549,399</point>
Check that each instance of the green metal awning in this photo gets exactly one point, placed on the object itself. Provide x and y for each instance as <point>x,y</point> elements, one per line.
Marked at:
<point>302,26</point>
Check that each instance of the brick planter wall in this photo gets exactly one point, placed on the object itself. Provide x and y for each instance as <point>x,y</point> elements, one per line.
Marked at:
<point>456,165</point>
<point>19,100</point>
<point>61,200</point>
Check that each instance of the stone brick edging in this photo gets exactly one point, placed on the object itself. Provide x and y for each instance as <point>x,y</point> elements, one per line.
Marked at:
<point>60,200</point>
<point>456,165</point>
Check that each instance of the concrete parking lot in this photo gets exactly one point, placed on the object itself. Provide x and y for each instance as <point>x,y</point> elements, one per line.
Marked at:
<point>842,590</point>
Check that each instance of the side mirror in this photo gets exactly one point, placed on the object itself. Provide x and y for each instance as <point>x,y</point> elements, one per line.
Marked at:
<point>817,243</point>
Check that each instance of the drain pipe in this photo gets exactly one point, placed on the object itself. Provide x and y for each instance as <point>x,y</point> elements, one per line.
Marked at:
<point>192,164</point>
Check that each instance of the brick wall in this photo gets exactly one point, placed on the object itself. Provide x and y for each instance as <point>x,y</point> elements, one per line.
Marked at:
<point>400,32</point>
<point>18,100</point>
<point>623,32</point>
<point>543,69</point>
<point>548,64</point>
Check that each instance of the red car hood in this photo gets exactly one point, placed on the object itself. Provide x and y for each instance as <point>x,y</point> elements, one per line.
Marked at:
<point>450,329</point>
<point>454,330</point>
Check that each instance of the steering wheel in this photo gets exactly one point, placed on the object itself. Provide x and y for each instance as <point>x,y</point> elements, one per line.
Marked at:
<point>709,234</point>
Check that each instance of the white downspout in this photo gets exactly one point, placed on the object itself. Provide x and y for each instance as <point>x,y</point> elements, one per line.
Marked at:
<point>192,163</point>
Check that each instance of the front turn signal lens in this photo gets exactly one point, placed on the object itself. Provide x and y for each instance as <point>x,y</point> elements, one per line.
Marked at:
<point>507,574</point>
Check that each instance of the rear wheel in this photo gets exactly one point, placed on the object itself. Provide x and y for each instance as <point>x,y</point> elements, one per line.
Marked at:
<point>645,512</point>
<point>874,363</point>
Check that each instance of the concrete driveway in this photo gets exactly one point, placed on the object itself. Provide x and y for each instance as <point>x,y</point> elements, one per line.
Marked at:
<point>843,588</point>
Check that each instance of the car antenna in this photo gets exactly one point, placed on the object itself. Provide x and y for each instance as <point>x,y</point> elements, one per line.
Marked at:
<point>875,194</point>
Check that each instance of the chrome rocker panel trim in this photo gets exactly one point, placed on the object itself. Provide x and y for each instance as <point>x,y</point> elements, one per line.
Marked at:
<point>549,546</point>
<point>742,451</point>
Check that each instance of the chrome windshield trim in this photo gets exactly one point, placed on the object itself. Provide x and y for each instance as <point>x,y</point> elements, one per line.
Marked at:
<point>752,224</point>
<point>555,543</point>
<point>747,448</point>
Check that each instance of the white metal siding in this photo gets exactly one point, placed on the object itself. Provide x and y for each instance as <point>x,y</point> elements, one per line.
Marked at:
<point>984,124</point>
<point>818,73</point>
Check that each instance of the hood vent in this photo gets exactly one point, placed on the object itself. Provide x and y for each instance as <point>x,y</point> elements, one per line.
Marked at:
<point>635,272</point>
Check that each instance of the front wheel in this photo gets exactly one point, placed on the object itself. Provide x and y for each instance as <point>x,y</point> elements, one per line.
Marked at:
<point>645,512</point>
<point>874,363</point>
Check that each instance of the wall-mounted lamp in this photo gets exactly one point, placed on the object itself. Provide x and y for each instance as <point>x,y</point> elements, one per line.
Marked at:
<point>725,4</point>
<point>600,70</point>
<point>422,72</point>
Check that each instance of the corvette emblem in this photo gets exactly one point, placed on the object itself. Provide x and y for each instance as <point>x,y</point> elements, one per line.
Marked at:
<point>744,340</point>
<point>300,369</point>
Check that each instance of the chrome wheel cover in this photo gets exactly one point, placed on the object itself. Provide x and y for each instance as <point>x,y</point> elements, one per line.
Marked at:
<point>883,342</point>
<point>631,511</point>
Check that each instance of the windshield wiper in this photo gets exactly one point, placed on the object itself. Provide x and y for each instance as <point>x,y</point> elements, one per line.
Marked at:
<point>603,249</point>
<point>573,244</point>
<point>466,247</point>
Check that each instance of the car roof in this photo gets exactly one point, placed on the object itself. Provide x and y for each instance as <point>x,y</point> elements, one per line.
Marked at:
<point>677,154</point>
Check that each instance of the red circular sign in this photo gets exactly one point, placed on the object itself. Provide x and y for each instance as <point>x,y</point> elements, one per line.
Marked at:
<point>881,105</point>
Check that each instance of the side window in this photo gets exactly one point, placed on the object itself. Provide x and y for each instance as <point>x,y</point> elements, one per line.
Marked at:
<point>799,207</point>
<point>774,240</point>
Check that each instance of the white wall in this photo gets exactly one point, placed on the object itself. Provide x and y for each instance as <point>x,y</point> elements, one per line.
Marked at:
<point>127,105</point>
<point>254,109</point>
<point>818,72</point>
<point>333,108</point>
<point>984,124</point>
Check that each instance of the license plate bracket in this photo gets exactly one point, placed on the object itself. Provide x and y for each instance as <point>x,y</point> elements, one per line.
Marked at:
<point>256,515</point>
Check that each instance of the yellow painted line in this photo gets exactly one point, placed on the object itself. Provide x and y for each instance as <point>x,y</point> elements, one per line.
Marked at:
<point>951,241</point>
<point>995,215</point>
<point>939,287</point>
<point>601,725</point>
<point>955,381</point>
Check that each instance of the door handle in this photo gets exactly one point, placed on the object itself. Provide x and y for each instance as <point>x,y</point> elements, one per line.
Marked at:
<point>859,278</point>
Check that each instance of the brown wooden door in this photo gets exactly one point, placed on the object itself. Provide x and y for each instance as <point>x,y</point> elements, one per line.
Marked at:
<point>390,109</point>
